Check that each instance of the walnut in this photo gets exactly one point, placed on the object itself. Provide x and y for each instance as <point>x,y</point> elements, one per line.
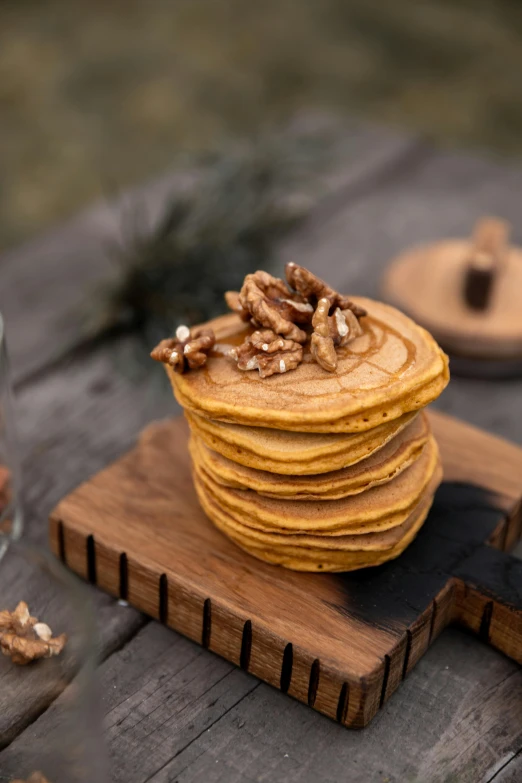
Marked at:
<point>188,347</point>
<point>331,332</point>
<point>34,777</point>
<point>232,300</point>
<point>24,639</point>
<point>313,289</point>
<point>268,352</point>
<point>271,304</point>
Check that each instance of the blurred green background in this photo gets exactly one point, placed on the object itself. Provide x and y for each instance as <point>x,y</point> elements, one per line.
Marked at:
<point>96,95</point>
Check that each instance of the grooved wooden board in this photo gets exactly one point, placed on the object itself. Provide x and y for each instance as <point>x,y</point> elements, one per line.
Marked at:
<point>341,643</point>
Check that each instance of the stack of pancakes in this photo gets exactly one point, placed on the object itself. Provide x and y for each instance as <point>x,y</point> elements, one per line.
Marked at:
<point>312,470</point>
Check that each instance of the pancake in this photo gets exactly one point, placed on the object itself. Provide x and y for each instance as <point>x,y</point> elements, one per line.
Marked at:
<point>393,368</point>
<point>378,509</point>
<point>375,541</point>
<point>381,467</point>
<point>293,453</point>
<point>309,556</point>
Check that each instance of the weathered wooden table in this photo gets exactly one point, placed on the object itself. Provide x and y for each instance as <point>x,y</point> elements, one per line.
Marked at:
<point>175,712</point>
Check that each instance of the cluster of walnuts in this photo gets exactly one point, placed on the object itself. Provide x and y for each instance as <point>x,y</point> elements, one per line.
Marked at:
<point>188,349</point>
<point>285,316</point>
<point>24,639</point>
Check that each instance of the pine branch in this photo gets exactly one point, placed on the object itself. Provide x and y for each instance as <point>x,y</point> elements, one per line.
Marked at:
<point>209,239</point>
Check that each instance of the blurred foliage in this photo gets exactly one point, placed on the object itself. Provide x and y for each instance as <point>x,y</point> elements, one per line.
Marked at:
<point>211,236</point>
<point>95,96</point>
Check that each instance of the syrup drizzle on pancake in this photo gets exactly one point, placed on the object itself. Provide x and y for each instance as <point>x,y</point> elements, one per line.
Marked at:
<point>374,329</point>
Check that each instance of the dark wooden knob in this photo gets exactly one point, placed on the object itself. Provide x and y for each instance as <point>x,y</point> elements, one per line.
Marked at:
<point>490,242</point>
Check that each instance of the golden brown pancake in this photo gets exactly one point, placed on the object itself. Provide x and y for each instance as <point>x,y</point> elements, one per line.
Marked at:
<point>393,368</point>
<point>373,541</point>
<point>293,453</point>
<point>378,509</point>
<point>381,467</point>
<point>310,557</point>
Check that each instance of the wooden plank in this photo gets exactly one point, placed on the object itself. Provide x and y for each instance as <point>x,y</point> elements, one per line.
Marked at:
<point>70,424</point>
<point>25,692</point>
<point>159,694</point>
<point>175,712</point>
<point>385,613</point>
<point>396,747</point>
<point>508,769</point>
<point>403,743</point>
<point>75,420</point>
<point>52,277</point>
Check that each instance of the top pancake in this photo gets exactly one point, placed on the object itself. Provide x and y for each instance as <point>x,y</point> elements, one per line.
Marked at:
<point>393,368</point>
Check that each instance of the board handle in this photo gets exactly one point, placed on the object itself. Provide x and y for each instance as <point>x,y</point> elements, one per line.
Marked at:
<point>488,599</point>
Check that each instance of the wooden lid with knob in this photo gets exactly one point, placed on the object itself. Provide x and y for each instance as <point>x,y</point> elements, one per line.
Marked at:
<point>467,293</point>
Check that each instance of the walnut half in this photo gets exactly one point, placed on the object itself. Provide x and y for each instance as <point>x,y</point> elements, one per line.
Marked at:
<point>271,304</point>
<point>187,348</point>
<point>34,777</point>
<point>313,289</point>
<point>232,300</point>
<point>24,639</point>
<point>268,352</point>
<point>331,332</point>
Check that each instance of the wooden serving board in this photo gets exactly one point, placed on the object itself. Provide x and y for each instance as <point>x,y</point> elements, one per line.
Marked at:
<point>341,643</point>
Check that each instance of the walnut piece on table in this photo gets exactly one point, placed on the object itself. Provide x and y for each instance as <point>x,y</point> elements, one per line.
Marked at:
<point>34,777</point>
<point>189,348</point>
<point>272,305</point>
<point>24,639</point>
<point>268,352</point>
<point>331,332</point>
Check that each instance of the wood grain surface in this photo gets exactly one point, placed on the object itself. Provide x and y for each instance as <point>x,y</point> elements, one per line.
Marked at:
<point>457,715</point>
<point>137,531</point>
